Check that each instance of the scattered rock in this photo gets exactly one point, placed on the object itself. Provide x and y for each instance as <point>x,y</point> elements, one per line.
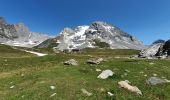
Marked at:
<point>95,61</point>
<point>145,75</point>
<point>125,85</point>
<point>12,87</point>
<point>86,92</point>
<point>125,74</point>
<point>156,80</point>
<point>71,62</point>
<point>105,74</point>
<point>53,94</point>
<point>22,75</point>
<point>127,71</point>
<point>52,87</point>
<point>155,75</point>
<point>110,94</point>
<point>141,72</point>
<point>151,63</point>
<point>98,70</point>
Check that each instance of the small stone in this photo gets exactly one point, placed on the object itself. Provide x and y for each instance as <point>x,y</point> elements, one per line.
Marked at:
<point>163,77</point>
<point>86,92</point>
<point>127,71</point>
<point>145,75</point>
<point>98,70</point>
<point>151,63</point>
<point>52,95</point>
<point>12,87</point>
<point>22,75</point>
<point>141,72</point>
<point>125,74</point>
<point>110,94</point>
<point>52,87</point>
<point>155,75</point>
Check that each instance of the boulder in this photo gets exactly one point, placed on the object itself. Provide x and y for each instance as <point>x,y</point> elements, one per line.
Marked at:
<point>125,84</point>
<point>71,62</point>
<point>105,74</point>
<point>156,80</point>
<point>95,61</point>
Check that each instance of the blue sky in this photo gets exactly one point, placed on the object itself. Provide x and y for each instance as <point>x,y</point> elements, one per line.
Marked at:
<point>148,20</point>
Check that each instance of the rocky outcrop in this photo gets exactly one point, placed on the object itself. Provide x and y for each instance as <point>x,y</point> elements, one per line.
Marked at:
<point>164,50</point>
<point>19,35</point>
<point>151,51</point>
<point>161,50</point>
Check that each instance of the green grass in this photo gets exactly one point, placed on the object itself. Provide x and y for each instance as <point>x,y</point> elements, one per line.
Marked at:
<point>33,76</point>
<point>8,51</point>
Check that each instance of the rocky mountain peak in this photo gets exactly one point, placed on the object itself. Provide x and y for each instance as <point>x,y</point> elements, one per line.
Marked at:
<point>19,35</point>
<point>85,36</point>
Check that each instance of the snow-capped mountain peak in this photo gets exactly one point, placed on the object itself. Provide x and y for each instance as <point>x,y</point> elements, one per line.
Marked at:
<point>86,36</point>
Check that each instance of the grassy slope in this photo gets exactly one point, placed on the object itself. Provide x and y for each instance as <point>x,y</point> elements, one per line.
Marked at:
<point>7,51</point>
<point>42,72</point>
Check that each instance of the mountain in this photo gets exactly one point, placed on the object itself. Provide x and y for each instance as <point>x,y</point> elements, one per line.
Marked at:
<point>157,50</point>
<point>158,41</point>
<point>98,34</point>
<point>19,35</point>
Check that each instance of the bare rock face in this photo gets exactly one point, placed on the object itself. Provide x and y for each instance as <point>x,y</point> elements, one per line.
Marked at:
<point>19,35</point>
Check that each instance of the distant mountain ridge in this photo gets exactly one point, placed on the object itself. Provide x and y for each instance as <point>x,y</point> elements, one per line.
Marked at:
<point>86,36</point>
<point>19,35</point>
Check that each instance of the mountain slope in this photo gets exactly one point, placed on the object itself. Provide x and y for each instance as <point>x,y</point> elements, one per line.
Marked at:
<point>85,36</point>
<point>19,35</point>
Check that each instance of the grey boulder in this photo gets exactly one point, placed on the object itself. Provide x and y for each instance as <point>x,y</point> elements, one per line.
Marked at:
<point>71,62</point>
<point>156,80</point>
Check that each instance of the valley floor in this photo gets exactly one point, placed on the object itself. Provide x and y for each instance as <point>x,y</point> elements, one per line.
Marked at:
<point>47,78</point>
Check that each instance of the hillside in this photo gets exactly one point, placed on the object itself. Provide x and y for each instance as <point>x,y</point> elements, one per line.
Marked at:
<point>8,51</point>
<point>47,78</point>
